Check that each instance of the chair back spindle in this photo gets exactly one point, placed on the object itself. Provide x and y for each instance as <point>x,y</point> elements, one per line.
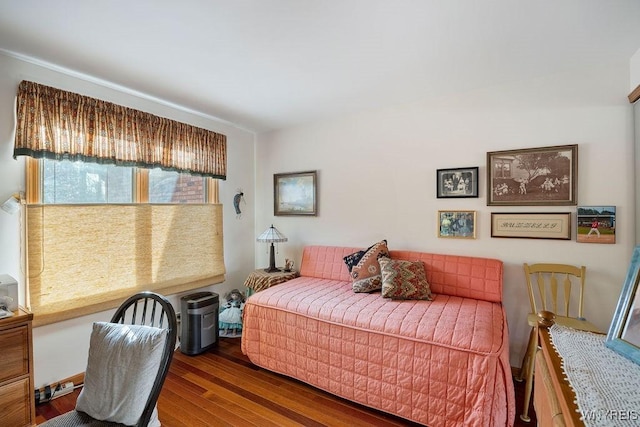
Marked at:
<point>555,284</point>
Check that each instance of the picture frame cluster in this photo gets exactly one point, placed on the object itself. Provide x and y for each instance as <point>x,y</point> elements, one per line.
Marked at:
<point>543,176</point>
<point>540,176</point>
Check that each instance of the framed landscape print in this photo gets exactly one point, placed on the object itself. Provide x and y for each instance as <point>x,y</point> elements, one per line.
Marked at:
<point>624,332</point>
<point>533,176</point>
<point>596,224</point>
<point>459,224</point>
<point>460,182</point>
<point>295,193</point>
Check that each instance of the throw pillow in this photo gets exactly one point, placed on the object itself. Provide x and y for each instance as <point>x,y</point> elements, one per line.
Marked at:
<point>364,268</point>
<point>404,279</point>
<point>122,367</point>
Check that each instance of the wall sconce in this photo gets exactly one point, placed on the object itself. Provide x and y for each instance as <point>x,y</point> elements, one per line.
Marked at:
<point>272,235</point>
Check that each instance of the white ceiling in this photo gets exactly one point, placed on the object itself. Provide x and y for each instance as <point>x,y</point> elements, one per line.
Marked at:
<point>269,64</point>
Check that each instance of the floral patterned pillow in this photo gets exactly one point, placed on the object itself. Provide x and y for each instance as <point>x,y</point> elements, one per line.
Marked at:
<point>404,279</point>
<point>364,267</point>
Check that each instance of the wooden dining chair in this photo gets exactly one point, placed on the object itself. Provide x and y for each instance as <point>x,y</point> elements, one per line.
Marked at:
<point>550,288</point>
<point>129,359</point>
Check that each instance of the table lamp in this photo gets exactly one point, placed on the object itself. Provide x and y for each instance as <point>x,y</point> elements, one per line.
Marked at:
<point>272,235</point>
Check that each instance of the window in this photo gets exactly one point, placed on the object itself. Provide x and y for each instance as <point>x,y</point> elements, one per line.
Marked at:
<point>69,182</point>
<point>66,182</point>
<point>174,187</point>
<point>97,233</point>
<point>89,247</point>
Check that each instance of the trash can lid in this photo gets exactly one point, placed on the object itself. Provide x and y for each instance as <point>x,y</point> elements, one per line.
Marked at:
<point>200,299</point>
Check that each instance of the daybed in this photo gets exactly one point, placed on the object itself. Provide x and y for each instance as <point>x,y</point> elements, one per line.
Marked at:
<point>443,362</point>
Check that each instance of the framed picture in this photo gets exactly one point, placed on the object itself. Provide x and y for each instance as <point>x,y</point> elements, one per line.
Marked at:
<point>533,176</point>
<point>457,224</point>
<point>460,182</point>
<point>624,332</point>
<point>596,224</point>
<point>295,193</point>
<point>532,225</point>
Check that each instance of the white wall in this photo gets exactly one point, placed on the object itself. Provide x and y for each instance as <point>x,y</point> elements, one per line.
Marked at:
<point>635,71</point>
<point>376,173</point>
<point>376,180</point>
<point>60,350</point>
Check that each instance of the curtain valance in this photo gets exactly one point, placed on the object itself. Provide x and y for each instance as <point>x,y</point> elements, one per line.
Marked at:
<point>52,123</point>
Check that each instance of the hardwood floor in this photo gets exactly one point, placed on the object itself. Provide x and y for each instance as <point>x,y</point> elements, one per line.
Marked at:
<point>222,388</point>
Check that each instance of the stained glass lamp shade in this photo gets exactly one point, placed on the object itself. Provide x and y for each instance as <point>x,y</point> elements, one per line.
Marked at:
<point>272,235</point>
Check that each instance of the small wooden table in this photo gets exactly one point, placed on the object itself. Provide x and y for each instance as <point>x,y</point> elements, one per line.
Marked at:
<point>260,280</point>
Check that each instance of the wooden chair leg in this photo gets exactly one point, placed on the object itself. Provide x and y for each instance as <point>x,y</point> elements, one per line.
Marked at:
<point>525,360</point>
<point>531,353</point>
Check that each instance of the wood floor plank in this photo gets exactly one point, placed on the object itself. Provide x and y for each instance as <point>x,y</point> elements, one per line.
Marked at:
<point>180,409</point>
<point>273,389</point>
<point>251,408</point>
<point>221,387</point>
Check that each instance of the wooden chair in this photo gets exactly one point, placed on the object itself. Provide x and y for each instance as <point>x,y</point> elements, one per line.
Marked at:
<point>144,309</point>
<point>549,282</point>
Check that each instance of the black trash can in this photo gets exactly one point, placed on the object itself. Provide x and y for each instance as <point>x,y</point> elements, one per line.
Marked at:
<point>198,322</point>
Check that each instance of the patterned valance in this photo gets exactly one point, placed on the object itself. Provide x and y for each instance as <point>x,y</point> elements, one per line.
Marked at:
<point>52,123</point>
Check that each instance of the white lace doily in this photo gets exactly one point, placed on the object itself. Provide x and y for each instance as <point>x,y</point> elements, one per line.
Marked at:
<point>606,384</point>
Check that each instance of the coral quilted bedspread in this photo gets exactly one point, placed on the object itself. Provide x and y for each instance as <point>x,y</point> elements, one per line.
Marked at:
<point>440,363</point>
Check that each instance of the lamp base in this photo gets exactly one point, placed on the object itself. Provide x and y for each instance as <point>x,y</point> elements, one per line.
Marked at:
<point>272,261</point>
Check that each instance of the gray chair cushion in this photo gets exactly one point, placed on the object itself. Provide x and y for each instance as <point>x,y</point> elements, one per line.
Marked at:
<point>77,419</point>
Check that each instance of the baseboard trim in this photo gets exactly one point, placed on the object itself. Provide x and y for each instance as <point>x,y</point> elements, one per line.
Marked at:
<point>77,379</point>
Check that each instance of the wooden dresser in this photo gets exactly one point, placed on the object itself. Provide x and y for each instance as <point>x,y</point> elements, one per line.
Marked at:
<point>553,397</point>
<point>17,406</point>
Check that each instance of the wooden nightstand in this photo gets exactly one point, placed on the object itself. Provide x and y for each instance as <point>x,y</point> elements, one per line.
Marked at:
<point>259,279</point>
<point>17,406</point>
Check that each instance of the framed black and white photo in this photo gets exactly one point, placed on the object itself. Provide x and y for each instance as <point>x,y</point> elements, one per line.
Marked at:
<point>459,182</point>
<point>624,332</point>
<point>295,194</point>
<point>534,176</point>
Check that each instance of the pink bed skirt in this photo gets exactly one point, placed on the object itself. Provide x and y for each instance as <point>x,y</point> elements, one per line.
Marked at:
<point>440,363</point>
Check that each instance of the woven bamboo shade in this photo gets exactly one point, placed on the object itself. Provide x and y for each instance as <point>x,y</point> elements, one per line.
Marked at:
<point>88,258</point>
